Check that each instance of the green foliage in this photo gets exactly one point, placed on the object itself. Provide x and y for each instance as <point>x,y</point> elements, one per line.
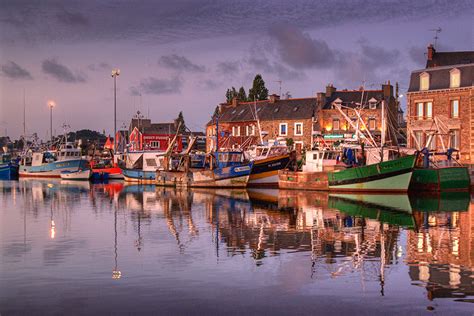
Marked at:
<point>258,90</point>
<point>242,95</point>
<point>230,94</point>
<point>290,142</point>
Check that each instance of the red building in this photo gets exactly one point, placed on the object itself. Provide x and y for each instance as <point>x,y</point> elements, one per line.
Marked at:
<point>145,135</point>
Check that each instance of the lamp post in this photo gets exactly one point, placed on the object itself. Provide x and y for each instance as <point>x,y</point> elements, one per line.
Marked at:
<point>115,73</point>
<point>51,105</point>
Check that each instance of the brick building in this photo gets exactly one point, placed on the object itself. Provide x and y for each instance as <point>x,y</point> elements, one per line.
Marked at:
<point>334,126</point>
<point>279,119</point>
<point>440,101</point>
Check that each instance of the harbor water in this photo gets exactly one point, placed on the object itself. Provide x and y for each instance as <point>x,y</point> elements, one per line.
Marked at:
<point>80,248</point>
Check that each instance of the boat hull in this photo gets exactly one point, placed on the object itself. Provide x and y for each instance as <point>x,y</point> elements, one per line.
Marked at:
<point>228,177</point>
<point>441,179</point>
<point>386,177</point>
<point>139,176</point>
<point>8,171</point>
<point>83,175</point>
<point>265,171</point>
<point>115,173</point>
<point>53,169</point>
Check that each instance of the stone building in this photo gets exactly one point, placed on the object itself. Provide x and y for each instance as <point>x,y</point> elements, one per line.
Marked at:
<point>334,125</point>
<point>289,120</point>
<point>439,104</point>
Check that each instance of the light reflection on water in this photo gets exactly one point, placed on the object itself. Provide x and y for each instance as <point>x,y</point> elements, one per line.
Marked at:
<point>82,248</point>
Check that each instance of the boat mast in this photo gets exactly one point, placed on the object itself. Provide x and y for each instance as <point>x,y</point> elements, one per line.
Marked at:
<point>382,141</point>
<point>24,119</point>
<point>258,121</point>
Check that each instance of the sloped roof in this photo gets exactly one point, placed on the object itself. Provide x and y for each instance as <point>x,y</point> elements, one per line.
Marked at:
<point>353,98</point>
<point>160,128</point>
<point>441,59</point>
<point>266,110</point>
<point>440,77</point>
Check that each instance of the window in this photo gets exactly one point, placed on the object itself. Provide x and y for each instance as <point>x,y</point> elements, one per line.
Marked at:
<point>419,111</point>
<point>372,124</point>
<point>424,110</point>
<point>372,103</point>
<point>298,129</point>
<point>455,139</point>
<point>429,110</point>
<point>283,129</point>
<point>419,139</point>
<point>424,81</point>
<point>335,124</point>
<point>253,130</point>
<point>235,130</point>
<point>250,130</point>
<point>455,108</point>
<point>432,145</point>
<point>454,78</point>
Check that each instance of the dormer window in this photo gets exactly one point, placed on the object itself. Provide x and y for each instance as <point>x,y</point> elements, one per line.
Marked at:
<point>337,103</point>
<point>424,81</point>
<point>373,104</point>
<point>454,78</point>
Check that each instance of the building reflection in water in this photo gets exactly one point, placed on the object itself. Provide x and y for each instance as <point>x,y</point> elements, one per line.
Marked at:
<point>441,252</point>
<point>342,234</point>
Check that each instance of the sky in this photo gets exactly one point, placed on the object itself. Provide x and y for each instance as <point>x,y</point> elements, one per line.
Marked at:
<point>182,55</point>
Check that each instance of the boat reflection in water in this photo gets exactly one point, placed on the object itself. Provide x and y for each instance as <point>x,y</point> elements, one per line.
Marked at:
<point>201,241</point>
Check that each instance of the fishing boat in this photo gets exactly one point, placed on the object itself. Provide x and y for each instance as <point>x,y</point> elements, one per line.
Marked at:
<point>441,176</point>
<point>387,176</point>
<point>267,160</point>
<point>140,167</point>
<point>223,169</point>
<point>83,175</point>
<point>50,164</point>
<point>102,166</point>
<point>8,167</point>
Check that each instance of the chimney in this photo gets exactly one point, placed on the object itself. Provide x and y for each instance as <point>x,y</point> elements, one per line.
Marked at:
<point>330,89</point>
<point>387,90</point>
<point>320,99</point>
<point>235,102</point>
<point>274,97</point>
<point>431,52</point>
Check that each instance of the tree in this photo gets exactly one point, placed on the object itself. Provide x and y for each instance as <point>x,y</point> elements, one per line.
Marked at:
<point>230,94</point>
<point>258,90</point>
<point>180,119</point>
<point>242,95</point>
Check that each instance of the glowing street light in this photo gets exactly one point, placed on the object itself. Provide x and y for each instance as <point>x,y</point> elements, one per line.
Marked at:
<point>115,74</point>
<point>51,105</point>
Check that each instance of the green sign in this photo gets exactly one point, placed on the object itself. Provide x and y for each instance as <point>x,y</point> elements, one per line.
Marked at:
<point>333,136</point>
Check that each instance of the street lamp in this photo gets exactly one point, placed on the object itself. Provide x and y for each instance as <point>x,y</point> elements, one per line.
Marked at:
<point>115,74</point>
<point>51,105</point>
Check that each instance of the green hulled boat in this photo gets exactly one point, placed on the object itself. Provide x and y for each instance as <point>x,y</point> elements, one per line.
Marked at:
<point>388,176</point>
<point>440,179</point>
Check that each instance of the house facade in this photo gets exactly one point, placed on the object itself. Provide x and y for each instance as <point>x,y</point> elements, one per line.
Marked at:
<point>145,135</point>
<point>337,107</point>
<point>439,104</point>
<point>241,124</point>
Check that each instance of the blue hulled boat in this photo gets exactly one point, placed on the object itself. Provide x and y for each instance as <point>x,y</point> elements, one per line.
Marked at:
<point>50,164</point>
<point>8,168</point>
<point>140,167</point>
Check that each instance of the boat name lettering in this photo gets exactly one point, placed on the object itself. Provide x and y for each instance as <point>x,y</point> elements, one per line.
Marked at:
<point>241,169</point>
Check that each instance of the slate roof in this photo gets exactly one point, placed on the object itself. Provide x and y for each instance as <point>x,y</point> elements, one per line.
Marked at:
<point>279,110</point>
<point>440,77</point>
<point>353,98</point>
<point>160,128</point>
<point>441,59</point>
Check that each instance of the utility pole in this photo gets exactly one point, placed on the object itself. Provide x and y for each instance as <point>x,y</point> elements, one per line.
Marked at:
<point>115,73</point>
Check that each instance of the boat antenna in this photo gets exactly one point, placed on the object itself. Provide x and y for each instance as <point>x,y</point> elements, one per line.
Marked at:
<point>279,81</point>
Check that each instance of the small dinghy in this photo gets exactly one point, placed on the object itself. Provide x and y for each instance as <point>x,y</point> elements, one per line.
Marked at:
<point>76,175</point>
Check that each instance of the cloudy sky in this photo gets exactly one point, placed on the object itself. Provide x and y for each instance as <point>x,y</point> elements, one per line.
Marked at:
<point>183,54</point>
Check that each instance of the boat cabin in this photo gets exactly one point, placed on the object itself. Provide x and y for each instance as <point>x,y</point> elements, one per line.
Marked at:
<point>319,160</point>
<point>266,151</point>
<point>224,159</point>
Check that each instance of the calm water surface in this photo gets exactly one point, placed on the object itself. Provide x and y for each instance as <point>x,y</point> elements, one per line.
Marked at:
<point>78,248</point>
